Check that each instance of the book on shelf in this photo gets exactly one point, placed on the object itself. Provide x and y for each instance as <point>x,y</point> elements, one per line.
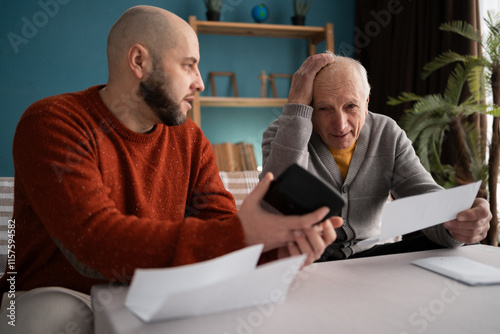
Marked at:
<point>231,157</point>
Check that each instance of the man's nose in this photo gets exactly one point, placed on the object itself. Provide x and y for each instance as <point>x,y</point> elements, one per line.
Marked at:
<point>198,84</point>
<point>339,121</point>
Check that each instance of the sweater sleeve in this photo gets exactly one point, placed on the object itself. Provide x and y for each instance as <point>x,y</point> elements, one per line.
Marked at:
<point>57,171</point>
<point>211,227</point>
<point>411,178</point>
<point>286,140</point>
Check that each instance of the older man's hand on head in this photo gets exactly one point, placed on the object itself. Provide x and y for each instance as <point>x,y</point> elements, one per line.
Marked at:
<point>301,90</point>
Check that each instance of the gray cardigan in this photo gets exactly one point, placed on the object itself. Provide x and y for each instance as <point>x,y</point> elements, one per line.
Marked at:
<point>384,162</point>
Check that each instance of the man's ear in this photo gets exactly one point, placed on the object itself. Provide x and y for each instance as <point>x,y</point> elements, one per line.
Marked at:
<point>139,60</point>
<point>367,103</point>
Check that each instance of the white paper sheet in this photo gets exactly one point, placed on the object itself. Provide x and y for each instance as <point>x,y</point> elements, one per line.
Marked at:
<point>462,269</point>
<point>229,282</point>
<point>414,213</point>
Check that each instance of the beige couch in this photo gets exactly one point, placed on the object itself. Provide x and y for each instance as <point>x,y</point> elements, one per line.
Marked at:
<point>240,184</point>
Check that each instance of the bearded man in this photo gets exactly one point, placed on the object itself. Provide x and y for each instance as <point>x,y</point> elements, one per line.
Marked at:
<point>115,178</point>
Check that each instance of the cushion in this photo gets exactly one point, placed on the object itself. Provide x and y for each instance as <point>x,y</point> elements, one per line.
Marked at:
<point>6,209</point>
<point>240,184</point>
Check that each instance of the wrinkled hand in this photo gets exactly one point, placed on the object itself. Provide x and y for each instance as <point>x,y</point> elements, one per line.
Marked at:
<point>472,225</point>
<point>301,90</point>
<point>274,230</point>
<point>312,241</point>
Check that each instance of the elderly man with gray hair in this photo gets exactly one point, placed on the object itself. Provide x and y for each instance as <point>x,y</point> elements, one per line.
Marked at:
<point>326,127</point>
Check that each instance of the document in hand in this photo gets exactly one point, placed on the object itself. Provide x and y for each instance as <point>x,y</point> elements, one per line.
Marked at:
<point>410,214</point>
<point>228,282</point>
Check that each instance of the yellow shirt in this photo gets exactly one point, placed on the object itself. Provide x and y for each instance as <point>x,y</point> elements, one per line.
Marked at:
<point>343,158</point>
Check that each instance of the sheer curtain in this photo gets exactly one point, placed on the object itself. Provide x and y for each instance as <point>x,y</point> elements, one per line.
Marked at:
<point>486,6</point>
<point>493,6</point>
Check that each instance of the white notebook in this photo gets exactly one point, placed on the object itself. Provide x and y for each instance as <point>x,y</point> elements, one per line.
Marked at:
<point>462,269</point>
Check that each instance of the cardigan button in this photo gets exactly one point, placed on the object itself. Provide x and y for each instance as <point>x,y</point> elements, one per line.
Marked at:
<point>345,188</point>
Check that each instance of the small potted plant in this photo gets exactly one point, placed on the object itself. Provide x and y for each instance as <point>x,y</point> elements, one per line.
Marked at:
<point>213,9</point>
<point>301,7</point>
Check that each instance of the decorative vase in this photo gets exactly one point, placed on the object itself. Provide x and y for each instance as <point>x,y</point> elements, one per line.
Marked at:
<point>298,20</point>
<point>213,15</point>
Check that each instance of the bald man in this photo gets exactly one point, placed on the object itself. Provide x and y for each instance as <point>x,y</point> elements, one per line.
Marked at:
<point>326,128</point>
<point>116,177</point>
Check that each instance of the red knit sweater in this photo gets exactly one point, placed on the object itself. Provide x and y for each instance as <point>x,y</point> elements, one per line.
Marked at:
<point>113,199</point>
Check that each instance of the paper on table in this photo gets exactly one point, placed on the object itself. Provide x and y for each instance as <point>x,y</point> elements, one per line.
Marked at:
<point>414,213</point>
<point>228,282</point>
<point>148,285</point>
<point>462,269</point>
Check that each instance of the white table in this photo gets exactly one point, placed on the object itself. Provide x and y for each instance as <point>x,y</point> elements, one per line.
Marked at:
<point>385,294</point>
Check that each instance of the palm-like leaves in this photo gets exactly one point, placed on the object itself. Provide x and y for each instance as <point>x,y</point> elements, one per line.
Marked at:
<point>464,29</point>
<point>431,116</point>
<point>442,60</point>
<point>478,168</point>
<point>426,125</point>
<point>492,46</point>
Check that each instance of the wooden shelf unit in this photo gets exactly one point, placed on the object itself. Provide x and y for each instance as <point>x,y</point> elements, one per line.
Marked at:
<point>314,35</point>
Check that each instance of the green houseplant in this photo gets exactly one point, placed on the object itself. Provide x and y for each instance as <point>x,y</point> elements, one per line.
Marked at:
<point>429,121</point>
<point>431,116</point>
<point>213,9</point>
<point>301,8</point>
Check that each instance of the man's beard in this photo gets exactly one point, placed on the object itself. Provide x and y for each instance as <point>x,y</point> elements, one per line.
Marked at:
<point>153,91</point>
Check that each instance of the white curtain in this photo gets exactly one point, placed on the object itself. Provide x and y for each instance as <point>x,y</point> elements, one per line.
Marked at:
<point>492,6</point>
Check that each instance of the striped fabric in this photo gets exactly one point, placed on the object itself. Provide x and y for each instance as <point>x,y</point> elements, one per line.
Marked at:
<point>6,208</point>
<point>240,184</point>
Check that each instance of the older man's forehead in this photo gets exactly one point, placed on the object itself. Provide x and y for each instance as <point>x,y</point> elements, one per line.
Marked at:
<point>339,76</point>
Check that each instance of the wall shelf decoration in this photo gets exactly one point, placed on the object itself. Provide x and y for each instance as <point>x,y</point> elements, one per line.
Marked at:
<point>212,75</point>
<point>314,35</point>
<point>273,76</point>
<point>263,77</point>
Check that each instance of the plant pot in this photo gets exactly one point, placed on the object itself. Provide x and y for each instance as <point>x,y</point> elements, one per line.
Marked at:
<point>298,20</point>
<point>213,15</point>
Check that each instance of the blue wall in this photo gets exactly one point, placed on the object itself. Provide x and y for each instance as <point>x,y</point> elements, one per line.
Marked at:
<point>50,47</point>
